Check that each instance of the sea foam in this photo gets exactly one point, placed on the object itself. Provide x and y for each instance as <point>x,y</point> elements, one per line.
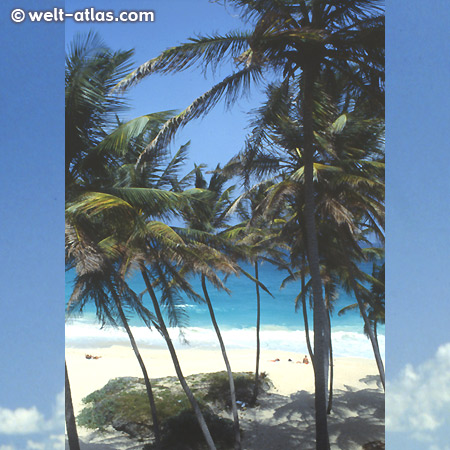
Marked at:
<point>345,343</point>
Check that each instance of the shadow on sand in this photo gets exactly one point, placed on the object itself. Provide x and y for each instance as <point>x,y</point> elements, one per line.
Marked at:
<point>357,417</point>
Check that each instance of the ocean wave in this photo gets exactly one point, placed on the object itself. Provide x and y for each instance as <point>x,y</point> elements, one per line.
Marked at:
<point>345,343</point>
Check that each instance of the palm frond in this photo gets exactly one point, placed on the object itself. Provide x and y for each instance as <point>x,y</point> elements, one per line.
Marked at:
<point>230,87</point>
<point>206,50</point>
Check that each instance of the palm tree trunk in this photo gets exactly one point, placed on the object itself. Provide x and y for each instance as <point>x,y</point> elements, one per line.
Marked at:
<point>375,332</point>
<point>237,430</point>
<point>305,314</point>
<point>321,352</point>
<point>176,363</point>
<point>258,327</point>
<point>330,394</point>
<point>362,310</point>
<point>71,426</point>
<point>151,399</point>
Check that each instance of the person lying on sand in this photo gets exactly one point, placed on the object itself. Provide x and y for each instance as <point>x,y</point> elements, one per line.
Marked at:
<point>91,357</point>
<point>274,360</point>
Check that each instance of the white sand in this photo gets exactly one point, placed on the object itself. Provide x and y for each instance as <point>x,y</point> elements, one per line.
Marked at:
<point>285,417</point>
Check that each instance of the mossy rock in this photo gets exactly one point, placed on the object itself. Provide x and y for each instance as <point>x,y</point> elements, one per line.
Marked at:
<point>123,404</point>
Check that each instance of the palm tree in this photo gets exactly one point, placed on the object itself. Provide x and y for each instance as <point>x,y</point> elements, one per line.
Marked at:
<point>123,227</point>
<point>370,303</point>
<point>261,240</point>
<point>163,330</point>
<point>98,281</point>
<point>91,71</point>
<point>334,205</point>
<point>92,153</point>
<point>206,218</point>
<point>306,38</point>
<point>71,425</point>
<point>377,298</point>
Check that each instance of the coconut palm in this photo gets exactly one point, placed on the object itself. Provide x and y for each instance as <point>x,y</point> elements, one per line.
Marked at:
<point>215,249</point>
<point>91,70</point>
<point>123,226</point>
<point>71,425</point>
<point>305,38</point>
<point>348,172</point>
<point>261,239</point>
<point>372,300</point>
<point>377,298</point>
<point>207,218</point>
<point>98,281</point>
<point>95,150</point>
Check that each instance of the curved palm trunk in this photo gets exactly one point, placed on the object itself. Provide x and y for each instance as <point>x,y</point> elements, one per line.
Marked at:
<point>148,386</point>
<point>176,363</point>
<point>305,314</point>
<point>321,352</point>
<point>258,328</point>
<point>71,426</point>
<point>237,430</point>
<point>373,340</point>
<point>330,394</point>
<point>375,332</point>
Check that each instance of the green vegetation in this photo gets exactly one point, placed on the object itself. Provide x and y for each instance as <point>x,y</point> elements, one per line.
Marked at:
<point>122,403</point>
<point>219,388</point>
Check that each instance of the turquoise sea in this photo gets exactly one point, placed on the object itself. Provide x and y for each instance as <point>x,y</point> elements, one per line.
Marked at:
<point>281,327</point>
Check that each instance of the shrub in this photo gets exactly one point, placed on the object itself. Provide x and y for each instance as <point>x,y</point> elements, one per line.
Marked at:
<point>182,432</point>
<point>219,388</point>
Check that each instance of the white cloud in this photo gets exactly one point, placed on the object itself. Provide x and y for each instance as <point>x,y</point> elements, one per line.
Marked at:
<point>418,401</point>
<point>22,421</point>
<point>7,447</point>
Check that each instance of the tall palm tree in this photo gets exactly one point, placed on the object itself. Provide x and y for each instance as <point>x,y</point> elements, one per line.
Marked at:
<point>123,226</point>
<point>91,70</point>
<point>96,146</point>
<point>261,240</point>
<point>98,281</point>
<point>207,218</point>
<point>71,425</point>
<point>303,38</point>
<point>163,330</point>
<point>348,173</point>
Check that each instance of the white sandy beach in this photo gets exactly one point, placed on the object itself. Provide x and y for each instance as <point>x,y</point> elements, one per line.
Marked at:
<point>285,417</point>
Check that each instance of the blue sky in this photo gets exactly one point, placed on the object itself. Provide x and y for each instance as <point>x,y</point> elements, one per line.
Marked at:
<point>31,238</point>
<point>32,185</point>
<point>417,211</point>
